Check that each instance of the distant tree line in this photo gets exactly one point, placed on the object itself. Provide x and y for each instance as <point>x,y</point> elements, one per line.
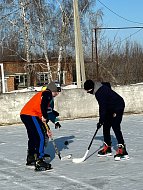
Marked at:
<point>120,64</point>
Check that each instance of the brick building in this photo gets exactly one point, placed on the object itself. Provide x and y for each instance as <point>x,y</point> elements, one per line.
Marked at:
<point>15,74</point>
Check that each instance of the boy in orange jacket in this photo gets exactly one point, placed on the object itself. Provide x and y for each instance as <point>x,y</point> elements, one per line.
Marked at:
<point>38,110</point>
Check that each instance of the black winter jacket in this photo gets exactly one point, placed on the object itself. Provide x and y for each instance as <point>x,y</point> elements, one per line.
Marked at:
<point>109,101</point>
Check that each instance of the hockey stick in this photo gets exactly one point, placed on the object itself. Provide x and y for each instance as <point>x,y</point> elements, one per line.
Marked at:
<point>79,160</point>
<point>56,148</point>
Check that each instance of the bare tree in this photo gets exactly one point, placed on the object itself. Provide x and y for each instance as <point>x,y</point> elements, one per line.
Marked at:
<point>41,18</point>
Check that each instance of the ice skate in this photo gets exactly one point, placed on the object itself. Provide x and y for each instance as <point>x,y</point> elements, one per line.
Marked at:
<point>105,151</point>
<point>121,153</point>
<point>30,160</point>
<point>41,165</point>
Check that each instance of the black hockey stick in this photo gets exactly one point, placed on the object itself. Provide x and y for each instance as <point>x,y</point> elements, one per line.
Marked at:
<point>56,148</point>
<point>79,160</point>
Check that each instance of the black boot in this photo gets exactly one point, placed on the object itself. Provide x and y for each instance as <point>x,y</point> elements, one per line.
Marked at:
<point>41,165</point>
<point>30,160</point>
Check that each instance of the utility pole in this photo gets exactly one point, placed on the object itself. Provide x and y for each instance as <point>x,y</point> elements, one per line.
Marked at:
<point>96,56</point>
<point>95,50</point>
<point>80,69</point>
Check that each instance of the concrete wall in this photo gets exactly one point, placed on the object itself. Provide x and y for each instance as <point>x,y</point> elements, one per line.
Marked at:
<point>73,103</point>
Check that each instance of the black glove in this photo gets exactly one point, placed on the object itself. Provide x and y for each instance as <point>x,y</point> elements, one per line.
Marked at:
<point>99,125</point>
<point>57,125</point>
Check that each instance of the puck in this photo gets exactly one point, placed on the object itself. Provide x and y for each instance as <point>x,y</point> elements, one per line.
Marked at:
<point>66,142</point>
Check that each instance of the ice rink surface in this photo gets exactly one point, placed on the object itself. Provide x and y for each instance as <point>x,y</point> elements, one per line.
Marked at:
<point>93,174</point>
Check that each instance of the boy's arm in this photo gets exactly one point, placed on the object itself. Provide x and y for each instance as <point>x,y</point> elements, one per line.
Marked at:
<point>102,101</point>
<point>46,108</point>
<point>46,98</point>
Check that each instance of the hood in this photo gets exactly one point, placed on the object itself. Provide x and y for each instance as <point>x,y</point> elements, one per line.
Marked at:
<point>97,85</point>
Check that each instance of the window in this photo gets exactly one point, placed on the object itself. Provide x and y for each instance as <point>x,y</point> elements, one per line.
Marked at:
<point>42,78</point>
<point>21,79</point>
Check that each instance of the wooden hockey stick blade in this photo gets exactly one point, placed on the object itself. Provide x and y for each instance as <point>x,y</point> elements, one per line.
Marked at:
<point>79,160</point>
<point>58,152</point>
<point>56,148</point>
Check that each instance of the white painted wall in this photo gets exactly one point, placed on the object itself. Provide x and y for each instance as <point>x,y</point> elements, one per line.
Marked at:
<point>71,103</point>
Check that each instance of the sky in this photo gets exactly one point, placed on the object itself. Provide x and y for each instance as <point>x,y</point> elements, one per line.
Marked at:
<point>123,13</point>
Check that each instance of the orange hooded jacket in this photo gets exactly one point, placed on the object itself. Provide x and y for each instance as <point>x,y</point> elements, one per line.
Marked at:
<point>33,106</point>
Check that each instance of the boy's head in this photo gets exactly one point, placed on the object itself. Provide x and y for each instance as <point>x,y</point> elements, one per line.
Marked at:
<point>89,86</point>
<point>54,88</point>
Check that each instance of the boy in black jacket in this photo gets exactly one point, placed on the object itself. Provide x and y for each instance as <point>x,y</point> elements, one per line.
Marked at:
<point>111,109</point>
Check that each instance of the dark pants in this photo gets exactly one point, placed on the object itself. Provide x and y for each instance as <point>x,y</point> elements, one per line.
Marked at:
<point>36,134</point>
<point>113,119</point>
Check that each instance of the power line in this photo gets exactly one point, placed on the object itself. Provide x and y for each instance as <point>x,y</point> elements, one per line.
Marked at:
<point>118,14</point>
<point>122,28</point>
<point>119,28</point>
<point>111,28</point>
<point>132,34</point>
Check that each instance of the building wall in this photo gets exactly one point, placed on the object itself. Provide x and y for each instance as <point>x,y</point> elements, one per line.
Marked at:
<point>10,83</point>
<point>11,68</point>
<point>71,104</point>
